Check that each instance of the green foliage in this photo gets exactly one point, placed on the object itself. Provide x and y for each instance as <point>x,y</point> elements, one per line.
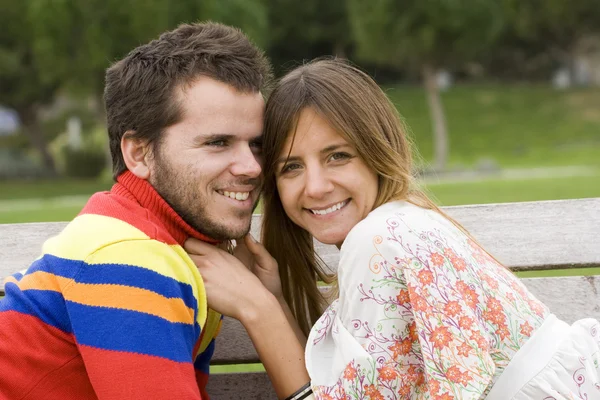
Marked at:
<point>411,33</point>
<point>301,30</point>
<point>85,163</point>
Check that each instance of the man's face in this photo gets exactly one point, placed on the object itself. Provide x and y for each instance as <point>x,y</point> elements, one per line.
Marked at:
<point>208,167</point>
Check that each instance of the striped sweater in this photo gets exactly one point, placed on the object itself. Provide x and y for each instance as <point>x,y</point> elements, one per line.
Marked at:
<point>113,308</point>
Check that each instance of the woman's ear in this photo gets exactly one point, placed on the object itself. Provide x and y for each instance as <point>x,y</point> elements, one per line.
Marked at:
<point>135,152</point>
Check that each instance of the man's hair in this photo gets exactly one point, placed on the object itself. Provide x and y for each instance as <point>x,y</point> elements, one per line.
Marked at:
<point>140,93</point>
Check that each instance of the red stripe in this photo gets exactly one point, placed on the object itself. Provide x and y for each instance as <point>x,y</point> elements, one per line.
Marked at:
<point>37,359</point>
<point>119,375</point>
<point>202,380</point>
<point>128,211</point>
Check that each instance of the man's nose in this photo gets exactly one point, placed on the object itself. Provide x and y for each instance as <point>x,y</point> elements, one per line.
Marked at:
<point>247,163</point>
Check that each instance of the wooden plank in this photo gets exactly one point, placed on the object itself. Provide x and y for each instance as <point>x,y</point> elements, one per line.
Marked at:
<point>524,236</point>
<point>235,386</point>
<point>570,298</point>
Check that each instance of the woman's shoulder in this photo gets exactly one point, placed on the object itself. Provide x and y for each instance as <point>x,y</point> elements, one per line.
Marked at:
<point>395,215</point>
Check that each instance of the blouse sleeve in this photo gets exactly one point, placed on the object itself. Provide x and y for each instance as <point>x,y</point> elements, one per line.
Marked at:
<point>404,325</point>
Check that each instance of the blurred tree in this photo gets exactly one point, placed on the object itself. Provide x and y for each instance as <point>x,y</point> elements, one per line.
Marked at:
<point>307,29</point>
<point>425,35</point>
<point>23,83</point>
<point>75,41</point>
<point>553,26</point>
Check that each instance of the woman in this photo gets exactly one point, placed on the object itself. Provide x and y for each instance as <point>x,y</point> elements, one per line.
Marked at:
<point>423,311</point>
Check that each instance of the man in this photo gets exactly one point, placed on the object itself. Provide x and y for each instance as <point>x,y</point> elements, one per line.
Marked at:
<point>114,308</point>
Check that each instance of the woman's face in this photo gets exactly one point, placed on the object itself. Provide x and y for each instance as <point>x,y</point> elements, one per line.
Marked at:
<point>324,186</point>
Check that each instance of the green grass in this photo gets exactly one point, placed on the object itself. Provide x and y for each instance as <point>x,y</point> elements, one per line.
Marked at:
<point>445,194</point>
<point>11,190</point>
<point>504,191</point>
<point>517,125</point>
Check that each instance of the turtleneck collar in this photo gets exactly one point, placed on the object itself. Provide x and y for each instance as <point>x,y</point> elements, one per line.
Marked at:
<point>139,190</point>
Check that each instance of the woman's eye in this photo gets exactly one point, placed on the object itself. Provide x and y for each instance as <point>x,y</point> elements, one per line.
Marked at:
<point>289,168</point>
<point>340,156</point>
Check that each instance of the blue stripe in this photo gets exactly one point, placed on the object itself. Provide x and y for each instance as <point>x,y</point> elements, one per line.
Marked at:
<point>202,362</point>
<point>118,274</point>
<point>48,306</point>
<point>56,265</point>
<point>132,331</point>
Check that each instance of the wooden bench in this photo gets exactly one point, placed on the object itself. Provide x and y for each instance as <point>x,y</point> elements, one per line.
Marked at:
<point>532,238</point>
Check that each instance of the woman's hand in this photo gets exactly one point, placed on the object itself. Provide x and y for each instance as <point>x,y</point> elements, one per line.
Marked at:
<point>230,287</point>
<point>259,261</point>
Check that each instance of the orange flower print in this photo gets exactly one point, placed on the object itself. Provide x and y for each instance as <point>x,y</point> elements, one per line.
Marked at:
<point>449,253</point>
<point>503,332</point>
<point>492,282</point>
<point>482,343</point>
<point>404,391</point>
<point>494,305</point>
<point>400,348</point>
<point>469,295</point>
<point>425,277</point>
<point>440,337</point>
<point>437,259</point>
<point>526,329</point>
<point>452,308</point>
<point>434,387</point>
<point>458,263</point>
<point>464,349</point>
<point>455,375</point>
<point>445,396</point>
<point>412,331</point>
<point>387,373</point>
<point>373,392</point>
<point>465,322</point>
<point>537,307</point>
<point>420,304</point>
<point>350,372</point>
<point>494,317</point>
<point>403,297</point>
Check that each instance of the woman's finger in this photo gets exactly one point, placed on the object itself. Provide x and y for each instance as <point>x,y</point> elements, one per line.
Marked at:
<point>259,252</point>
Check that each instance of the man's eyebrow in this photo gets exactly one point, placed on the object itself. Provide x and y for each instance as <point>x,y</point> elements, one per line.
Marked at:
<point>213,137</point>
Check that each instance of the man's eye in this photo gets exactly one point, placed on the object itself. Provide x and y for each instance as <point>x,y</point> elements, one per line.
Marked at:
<point>217,143</point>
<point>256,145</point>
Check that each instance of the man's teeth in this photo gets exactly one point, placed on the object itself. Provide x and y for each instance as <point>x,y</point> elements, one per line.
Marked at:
<point>331,209</point>
<point>237,195</point>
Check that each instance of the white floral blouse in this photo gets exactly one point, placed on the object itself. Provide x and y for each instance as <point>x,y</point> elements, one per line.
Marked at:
<point>423,313</point>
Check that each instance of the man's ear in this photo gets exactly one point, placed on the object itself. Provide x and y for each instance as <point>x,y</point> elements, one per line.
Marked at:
<point>136,154</point>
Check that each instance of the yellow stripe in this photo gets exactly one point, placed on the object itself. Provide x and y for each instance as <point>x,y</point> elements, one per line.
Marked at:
<point>88,233</point>
<point>170,261</point>
<point>211,329</point>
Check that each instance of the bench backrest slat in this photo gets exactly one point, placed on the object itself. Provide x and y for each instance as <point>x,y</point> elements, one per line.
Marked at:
<point>548,235</point>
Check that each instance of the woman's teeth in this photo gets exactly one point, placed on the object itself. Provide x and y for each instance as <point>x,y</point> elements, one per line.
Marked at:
<point>331,209</point>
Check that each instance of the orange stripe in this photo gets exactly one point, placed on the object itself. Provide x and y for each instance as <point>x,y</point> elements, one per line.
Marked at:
<point>42,280</point>
<point>10,279</point>
<point>110,295</point>
<point>131,298</point>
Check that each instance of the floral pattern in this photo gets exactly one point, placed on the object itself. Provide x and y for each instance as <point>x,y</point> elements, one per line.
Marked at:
<point>424,313</point>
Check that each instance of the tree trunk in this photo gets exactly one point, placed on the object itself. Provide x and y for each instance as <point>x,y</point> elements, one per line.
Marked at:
<point>33,130</point>
<point>438,119</point>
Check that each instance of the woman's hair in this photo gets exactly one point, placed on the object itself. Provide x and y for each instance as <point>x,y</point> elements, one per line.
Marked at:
<point>357,108</point>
